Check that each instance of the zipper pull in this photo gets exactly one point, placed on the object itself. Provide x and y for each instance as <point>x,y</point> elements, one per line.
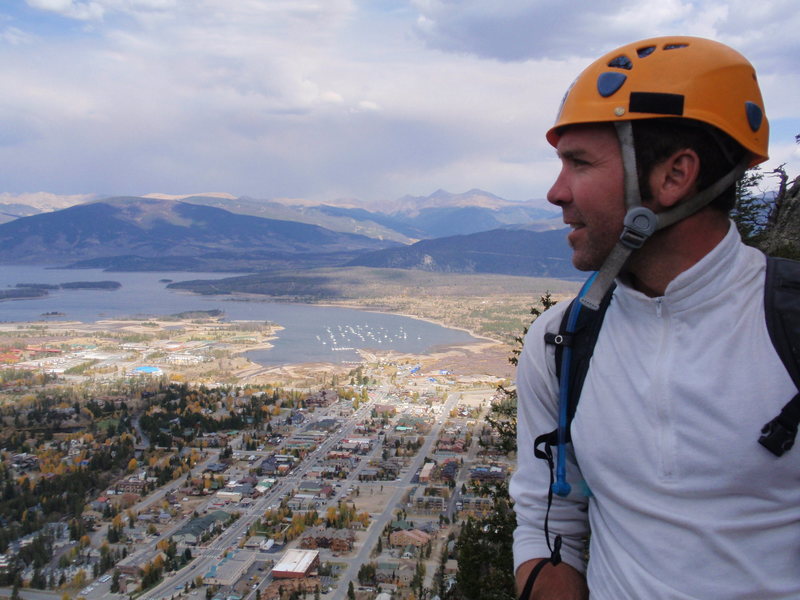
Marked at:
<point>658,307</point>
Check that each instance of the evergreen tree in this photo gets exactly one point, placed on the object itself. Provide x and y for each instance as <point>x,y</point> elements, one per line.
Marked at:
<point>485,560</point>
<point>752,210</point>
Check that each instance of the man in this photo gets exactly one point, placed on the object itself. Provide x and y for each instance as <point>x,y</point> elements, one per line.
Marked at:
<point>665,468</point>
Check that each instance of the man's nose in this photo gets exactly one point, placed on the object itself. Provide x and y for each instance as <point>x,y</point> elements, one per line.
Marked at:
<point>558,193</point>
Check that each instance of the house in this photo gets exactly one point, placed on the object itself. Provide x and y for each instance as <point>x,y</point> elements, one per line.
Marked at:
<point>132,485</point>
<point>412,537</point>
<point>386,571</point>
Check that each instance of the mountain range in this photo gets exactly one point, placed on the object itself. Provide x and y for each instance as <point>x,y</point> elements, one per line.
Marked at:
<point>474,232</point>
<point>405,220</point>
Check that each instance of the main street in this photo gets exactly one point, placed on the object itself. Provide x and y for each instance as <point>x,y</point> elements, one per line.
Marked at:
<point>384,518</point>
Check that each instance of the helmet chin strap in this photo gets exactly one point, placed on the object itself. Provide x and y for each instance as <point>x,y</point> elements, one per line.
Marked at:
<point>641,222</point>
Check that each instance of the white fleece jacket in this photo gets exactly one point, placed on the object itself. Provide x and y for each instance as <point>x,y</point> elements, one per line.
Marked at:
<point>685,503</point>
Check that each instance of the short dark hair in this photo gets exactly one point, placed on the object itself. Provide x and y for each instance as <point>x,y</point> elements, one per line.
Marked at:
<point>658,139</point>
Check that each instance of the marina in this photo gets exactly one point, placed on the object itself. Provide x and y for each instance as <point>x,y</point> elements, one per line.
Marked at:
<point>311,333</point>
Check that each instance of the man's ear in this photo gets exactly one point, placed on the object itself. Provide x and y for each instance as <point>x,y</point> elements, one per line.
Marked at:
<point>675,178</point>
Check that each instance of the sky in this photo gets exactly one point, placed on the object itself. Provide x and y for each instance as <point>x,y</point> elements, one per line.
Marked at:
<point>330,99</point>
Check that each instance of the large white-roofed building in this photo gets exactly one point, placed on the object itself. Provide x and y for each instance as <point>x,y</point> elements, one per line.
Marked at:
<point>296,564</point>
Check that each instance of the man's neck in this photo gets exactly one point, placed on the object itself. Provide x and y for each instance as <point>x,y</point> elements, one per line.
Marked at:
<point>674,250</point>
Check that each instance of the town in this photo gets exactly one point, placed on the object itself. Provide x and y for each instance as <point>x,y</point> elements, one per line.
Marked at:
<point>125,481</point>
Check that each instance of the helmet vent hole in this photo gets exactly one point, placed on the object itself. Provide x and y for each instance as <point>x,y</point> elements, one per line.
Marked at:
<point>608,83</point>
<point>621,62</point>
<point>754,115</point>
<point>674,46</point>
<point>646,51</point>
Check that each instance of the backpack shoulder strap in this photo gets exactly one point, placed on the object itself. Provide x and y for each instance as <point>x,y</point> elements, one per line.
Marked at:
<point>582,341</point>
<point>782,313</point>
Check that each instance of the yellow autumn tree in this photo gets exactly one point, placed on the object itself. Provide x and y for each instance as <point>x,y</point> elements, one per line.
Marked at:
<point>330,514</point>
<point>132,465</point>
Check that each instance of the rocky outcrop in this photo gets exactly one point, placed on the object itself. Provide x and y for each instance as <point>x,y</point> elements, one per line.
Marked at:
<point>783,237</point>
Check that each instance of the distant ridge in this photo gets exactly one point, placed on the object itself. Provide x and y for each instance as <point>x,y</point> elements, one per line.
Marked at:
<point>159,196</point>
<point>501,251</point>
<point>164,231</point>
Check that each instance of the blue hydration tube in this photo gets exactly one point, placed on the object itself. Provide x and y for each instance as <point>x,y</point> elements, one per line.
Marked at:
<point>560,485</point>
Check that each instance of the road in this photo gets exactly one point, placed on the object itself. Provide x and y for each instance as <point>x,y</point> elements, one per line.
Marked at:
<point>379,523</point>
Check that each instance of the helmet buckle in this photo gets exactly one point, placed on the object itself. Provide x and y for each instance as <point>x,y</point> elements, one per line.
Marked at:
<point>640,223</point>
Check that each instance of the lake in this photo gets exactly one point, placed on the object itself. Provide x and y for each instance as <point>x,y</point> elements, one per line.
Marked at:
<point>311,333</point>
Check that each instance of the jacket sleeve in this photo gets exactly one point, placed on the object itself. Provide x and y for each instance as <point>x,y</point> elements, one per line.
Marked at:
<point>537,413</point>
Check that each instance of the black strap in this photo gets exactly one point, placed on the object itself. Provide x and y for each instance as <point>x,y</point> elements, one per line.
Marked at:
<point>582,342</point>
<point>778,435</point>
<point>526,591</point>
<point>782,312</point>
<point>546,441</point>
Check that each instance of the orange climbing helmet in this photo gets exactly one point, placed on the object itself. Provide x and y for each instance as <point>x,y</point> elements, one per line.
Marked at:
<point>675,76</point>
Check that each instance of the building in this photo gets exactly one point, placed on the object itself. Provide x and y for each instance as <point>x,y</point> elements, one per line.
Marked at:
<point>229,569</point>
<point>296,564</point>
<point>412,537</point>
<point>131,486</point>
<point>427,470</point>
<point>191,533</point>
<point>338,540</point>
<point>489,473</point>
<point>431,499</point>
<point>228,495</point>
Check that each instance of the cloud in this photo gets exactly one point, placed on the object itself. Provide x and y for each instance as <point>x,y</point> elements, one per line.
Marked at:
<point>372,99</point>
<point>520,29</point>
<point>516,30</point>
<point>15,37</point>
<point>83,11</point>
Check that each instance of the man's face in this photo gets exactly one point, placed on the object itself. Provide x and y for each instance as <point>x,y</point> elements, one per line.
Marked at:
<point>590,192</point>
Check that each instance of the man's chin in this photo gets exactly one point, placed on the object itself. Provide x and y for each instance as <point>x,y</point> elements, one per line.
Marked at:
<point>585,264</point>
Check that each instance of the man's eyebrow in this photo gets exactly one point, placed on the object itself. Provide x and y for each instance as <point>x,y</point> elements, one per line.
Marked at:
<point>571,153</point>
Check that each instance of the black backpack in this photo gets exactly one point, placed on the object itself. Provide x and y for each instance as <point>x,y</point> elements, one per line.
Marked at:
<point>782,313</point>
